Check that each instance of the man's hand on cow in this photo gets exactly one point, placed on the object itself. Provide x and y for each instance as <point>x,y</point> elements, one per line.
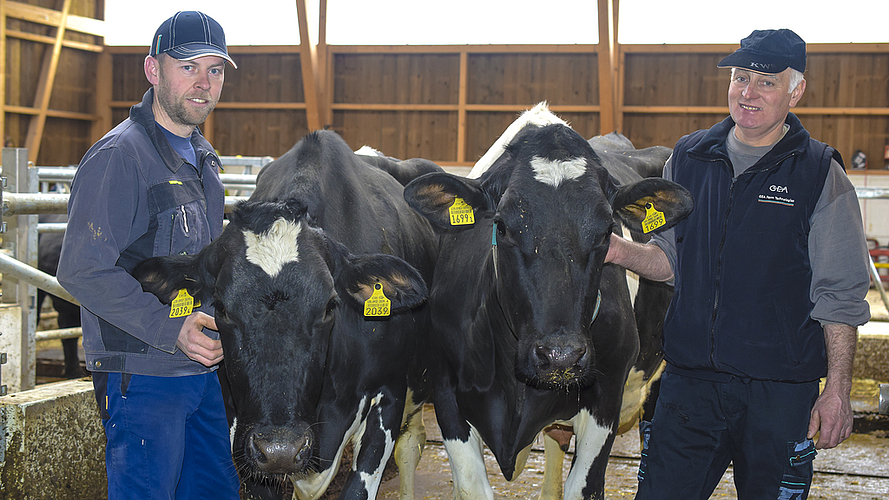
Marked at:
<point>195,343</point>
<point>831,419</point>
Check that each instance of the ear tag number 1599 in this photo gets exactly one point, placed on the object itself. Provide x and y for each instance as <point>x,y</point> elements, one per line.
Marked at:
<point>461,213</point>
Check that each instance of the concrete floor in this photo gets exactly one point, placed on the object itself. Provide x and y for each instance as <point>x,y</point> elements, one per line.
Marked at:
<point>858,469</point>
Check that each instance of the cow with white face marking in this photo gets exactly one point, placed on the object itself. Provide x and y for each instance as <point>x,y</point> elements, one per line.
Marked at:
<point>290,278</point>
<point>530,327</point>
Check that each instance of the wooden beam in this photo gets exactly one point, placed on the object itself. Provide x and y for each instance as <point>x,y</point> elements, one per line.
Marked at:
<point>308,59</point>
<point>54,18</point>
<point>3,72</point>
<point>104,91</point>
<point>608,121</point>
<point>44,87</point>
<point>51,40</point>
<point>461,106</point>
<point>324,78</point>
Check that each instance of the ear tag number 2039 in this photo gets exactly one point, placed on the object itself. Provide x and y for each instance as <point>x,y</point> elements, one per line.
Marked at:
<point>377,305</point>
<point>183,304</point>
<point>653,219</point>
<point>461,213</point>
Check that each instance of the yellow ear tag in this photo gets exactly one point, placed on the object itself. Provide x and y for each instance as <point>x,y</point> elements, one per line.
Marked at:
<point>377,305</point>
<point>461,213</point>
<point>182,305</point>
<point>653,219</point>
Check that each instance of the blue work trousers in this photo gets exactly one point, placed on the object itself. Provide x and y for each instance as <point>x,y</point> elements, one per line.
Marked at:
<point>701,426</point>
<point>167,437</point>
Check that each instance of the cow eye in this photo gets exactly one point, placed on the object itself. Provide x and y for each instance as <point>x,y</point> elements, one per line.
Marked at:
<point>331,307</point>
<point>503,236</point>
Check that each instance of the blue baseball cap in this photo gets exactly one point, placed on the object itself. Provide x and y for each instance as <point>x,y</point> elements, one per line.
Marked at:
<point>769,51</point>
<point>189,35</point>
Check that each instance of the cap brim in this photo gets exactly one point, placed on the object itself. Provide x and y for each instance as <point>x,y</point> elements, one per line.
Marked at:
<point>194,51</point>
<point>753,62</point>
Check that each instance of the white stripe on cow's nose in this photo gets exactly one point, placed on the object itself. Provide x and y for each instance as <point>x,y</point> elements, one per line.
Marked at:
<point>274,248</point>
<point>554,172</point>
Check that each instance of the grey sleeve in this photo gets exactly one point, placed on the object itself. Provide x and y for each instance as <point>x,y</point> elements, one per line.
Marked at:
<point>838,254</point>
<point>666,239</point>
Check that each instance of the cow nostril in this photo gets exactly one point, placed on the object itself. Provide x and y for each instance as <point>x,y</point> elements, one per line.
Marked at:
<point>559,357</point>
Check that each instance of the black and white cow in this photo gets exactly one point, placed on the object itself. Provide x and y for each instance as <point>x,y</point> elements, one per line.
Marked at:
<point>530,328</point>
<point>322,233</point>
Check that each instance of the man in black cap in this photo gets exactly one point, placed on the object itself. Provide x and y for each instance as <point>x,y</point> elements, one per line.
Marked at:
<point>151,187</point>
<point>770,275</point>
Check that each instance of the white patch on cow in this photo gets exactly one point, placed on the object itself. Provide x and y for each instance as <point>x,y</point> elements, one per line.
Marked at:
<point>231,432</point>
<point>368,151</point>
<point>590,437</point>
<point>410,443</point>
<point>555,172</point>
<point>468,468</point>
<point>539,116</point>
<point>551,486</point>
<point>274,248</point>
<point>313,486</point>
<point>636,393</point>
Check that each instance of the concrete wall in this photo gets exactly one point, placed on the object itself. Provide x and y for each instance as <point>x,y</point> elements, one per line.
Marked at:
<point>52,445</point>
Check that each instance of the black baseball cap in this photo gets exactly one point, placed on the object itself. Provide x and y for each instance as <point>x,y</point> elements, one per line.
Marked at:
<point>189,35</point>
<point>769,51</point>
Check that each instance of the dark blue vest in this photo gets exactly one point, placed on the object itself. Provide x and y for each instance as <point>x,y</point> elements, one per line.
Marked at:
<point>741,306</point>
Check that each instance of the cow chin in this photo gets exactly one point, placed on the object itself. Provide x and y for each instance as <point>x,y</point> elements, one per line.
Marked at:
<point>276,452</point>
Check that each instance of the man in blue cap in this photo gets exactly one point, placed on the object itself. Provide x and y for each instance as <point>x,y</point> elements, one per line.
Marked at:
<point>770,275</point>
<point>151,187</point>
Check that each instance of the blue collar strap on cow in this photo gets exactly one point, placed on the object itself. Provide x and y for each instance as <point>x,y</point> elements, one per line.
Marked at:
<point>598,305</point>
<point>494,247</point>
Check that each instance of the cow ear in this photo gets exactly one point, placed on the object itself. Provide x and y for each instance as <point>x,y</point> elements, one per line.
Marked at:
<point>651,205</point>
<point>165,276</point>
<point>432,195</point>
<point>400,282</point>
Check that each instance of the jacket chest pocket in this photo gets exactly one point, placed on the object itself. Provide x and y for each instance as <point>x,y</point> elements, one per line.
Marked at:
<point>180,211</point>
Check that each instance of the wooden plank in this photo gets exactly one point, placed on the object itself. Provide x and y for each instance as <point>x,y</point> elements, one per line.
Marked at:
<point>50,40</point>
<point>3,55</point>
<point>103,121</point>
<point>461,107</point>
<point>52,113</point>
<point>55,18</point>
<point>44,87</point>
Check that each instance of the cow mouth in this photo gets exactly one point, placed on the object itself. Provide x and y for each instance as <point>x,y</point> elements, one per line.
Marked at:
<point>556,364</point>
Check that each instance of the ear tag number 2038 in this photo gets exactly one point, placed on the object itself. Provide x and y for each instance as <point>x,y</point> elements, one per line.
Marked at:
<point>377,305</point>
<point>461,213</point>
<point>653,219</point>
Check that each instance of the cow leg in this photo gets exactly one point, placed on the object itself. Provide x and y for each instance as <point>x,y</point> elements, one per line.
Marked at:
<point>552,472</point>
<point>592,446</point>
<point>468,467</point>
<point>375,447</point>
<point>409,447</point>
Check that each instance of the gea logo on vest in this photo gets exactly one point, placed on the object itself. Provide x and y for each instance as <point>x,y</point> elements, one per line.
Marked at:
<point>778,200</point>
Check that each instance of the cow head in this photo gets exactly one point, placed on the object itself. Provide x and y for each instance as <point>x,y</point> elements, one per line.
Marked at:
<point>548,207</point>
<point>280,287</point>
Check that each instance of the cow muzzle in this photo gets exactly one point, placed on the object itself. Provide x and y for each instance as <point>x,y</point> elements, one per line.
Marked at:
<point>557,362</point>
<point>279,450</point>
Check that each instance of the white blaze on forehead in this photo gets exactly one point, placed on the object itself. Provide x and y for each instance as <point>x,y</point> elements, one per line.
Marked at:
<point>274,248</point>
<point>554,172</point>
<point>539,116</point>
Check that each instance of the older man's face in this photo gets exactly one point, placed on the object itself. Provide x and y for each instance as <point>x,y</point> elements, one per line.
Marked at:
<point>759,103</point>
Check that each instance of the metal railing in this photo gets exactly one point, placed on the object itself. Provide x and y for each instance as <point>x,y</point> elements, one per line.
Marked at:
<point>20,201</point>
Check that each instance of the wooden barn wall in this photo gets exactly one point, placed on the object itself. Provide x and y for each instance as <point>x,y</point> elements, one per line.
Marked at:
<point>450,104</point>
<point>73,91</point>
<point>497,86</point>
<point>849,90</point>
